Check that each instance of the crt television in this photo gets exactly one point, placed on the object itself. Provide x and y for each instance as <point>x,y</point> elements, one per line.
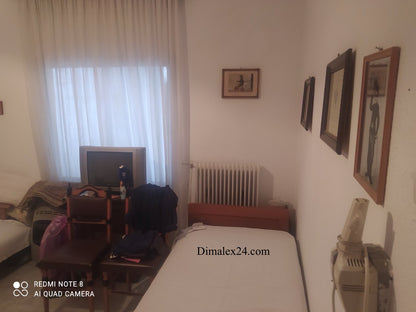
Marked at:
<point>100,165</point>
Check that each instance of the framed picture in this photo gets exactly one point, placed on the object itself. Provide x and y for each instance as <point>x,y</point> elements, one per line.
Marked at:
<point>336,110</point>
<point>240,83</point>
<point>307,103</point>
<point>378,91</point>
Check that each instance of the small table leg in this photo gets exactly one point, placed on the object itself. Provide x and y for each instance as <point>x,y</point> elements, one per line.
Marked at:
<point>106,291</point>
<point>45,299</point>
<point>128,281</point>
<point>90,288</point>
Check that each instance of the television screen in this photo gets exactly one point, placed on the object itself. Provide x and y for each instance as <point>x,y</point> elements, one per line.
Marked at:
<point>100,166</point>
<point>103,167</point>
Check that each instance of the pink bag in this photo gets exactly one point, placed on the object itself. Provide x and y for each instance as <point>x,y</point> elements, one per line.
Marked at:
<point>55,235</point>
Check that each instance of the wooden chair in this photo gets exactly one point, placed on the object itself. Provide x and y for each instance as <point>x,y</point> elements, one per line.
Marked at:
<point>86,206</point>
<point>89,205</point>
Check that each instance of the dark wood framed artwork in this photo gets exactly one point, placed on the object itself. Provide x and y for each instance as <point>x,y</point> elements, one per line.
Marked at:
<point>337,101</point>
<point>307,103</point>
<point>240,83</point>
<point>378,90</point>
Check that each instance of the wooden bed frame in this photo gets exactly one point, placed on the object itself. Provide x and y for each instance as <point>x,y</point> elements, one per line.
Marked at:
<point>274,218</point>
<point>4,207</point>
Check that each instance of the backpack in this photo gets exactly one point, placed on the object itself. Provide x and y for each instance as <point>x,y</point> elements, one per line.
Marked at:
<point>142,245</point>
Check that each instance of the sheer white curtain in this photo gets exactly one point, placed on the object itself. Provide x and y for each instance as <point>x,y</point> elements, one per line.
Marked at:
<point>110,73</point>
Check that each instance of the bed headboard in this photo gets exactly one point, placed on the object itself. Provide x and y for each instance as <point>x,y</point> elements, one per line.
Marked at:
<point>274,218</point>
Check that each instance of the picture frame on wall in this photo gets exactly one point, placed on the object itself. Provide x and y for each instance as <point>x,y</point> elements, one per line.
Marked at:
<point>336,111</point>
<point>307,103</point>
<point>378,90</point>
<point>240,83</point>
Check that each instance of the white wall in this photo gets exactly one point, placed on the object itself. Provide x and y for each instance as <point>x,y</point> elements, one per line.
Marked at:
<point>16,143</point>
<point>289,41</point>
<point>326,185</point>
<point>246,34</point>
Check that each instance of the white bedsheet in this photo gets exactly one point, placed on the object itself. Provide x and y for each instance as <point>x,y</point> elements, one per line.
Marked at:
<point>188,282</point>
<point>14,236</point>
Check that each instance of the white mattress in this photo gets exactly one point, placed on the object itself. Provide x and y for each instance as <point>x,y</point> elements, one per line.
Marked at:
<point>188,282</point>
<point>14,236</point>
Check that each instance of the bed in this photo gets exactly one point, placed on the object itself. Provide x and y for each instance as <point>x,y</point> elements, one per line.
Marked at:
<point>20,198</point>
<point>14,234</point>
<point>198,275</point>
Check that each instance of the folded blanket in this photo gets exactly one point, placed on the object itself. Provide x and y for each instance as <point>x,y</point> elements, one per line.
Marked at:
<point>41,193</point>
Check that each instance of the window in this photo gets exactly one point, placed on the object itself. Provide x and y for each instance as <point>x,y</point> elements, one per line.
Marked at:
<point>108,106</point>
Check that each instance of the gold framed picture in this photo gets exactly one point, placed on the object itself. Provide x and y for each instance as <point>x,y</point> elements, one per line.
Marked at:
<point>240,83</point>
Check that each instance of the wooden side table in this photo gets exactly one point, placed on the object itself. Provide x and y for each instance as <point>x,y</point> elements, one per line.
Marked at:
<point>110,268</point>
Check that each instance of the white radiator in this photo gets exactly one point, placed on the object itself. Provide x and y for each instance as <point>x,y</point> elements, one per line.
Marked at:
<point>224,183</point>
